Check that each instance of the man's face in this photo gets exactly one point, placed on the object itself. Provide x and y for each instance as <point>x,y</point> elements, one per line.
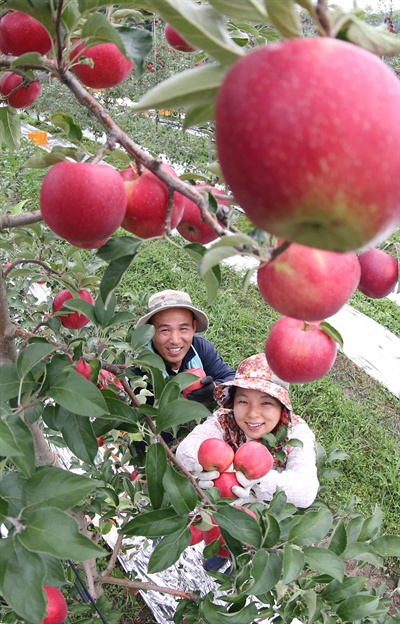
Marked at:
<point>174,331</point>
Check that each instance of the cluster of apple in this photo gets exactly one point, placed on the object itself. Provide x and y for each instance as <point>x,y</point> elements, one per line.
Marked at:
<point>312,178</point>
<point>252,458</point>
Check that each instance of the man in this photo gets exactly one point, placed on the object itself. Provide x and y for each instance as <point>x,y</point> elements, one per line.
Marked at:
<point>176,322</point>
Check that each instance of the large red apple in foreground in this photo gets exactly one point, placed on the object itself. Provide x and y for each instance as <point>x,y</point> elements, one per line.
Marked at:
<point>299,352</point>
<point>57,609</point>
<point>225,483</point>
<point>191,227</point>
<point>253,459</point>
<point>215,454</point>
<point>20,33</point>
<point>308,284</point>
<point>176,40</point>
<point>110,67</point>
<point>379,273</point>
<point>147,202</point>
<point>83,202</point>
<point>295,126</point>
<point>74,320</point>
<point>25,96</point>
<point>197,384</point>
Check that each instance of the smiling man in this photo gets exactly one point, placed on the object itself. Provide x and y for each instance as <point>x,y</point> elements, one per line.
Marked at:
<point>177,324</point>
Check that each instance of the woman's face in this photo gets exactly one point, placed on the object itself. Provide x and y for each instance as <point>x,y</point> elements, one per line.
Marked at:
<point>255,412</point>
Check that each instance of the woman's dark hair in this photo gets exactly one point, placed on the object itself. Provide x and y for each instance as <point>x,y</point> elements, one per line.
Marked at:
<point>231,396</point>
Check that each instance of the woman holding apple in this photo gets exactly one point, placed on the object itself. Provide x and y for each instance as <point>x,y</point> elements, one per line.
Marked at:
<point>253,404</point>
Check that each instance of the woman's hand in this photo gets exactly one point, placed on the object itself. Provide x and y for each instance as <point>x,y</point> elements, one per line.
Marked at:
<point>205,478</point>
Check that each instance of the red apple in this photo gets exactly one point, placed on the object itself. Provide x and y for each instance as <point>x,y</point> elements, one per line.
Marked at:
<point>215,534</point>
<point>225,482</point>
<point>74,320</point>
<point>83,368</point>
<point>176,40</point>
<point>308,284</point>
<point>20,33</point>
<point>57,608</point>
<point>299,352</point>
<point>215,454</point>
<point>147,202</point>
<point>197,384</point>
<point>191,227</point>
<point>23,97</point>
<point>106,378</point>
<point>253,459</point>
<point>110,67</point>
<point>133,474</point>
<point>100,441</point>
<point>295,122</point>
<point>379,273</point>
<point>83,202</point>
<point>197,535</point>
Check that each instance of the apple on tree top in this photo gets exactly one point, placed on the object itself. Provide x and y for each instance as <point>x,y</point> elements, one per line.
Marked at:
<point>308,144</point>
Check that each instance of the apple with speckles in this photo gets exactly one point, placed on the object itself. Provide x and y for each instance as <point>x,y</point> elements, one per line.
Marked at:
<point>309,146</point>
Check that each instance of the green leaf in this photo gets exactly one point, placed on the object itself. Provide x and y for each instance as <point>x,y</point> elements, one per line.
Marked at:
<point>376,40</point>
<point>338,541</point>
<point>312,527</point>
<point>104,313</point>
<point>54,487</point>
<point>154,523</point>
<point>332,333</point>
<point>217,614</point>
<point>212,278</point>
<point>202,26</point>
<point>196,115</point>
<point>78,395</point>
<point>192,87</point>
<point>156,466</point>
<point>118,409</point>
<point>293,563</point>
<point>245,10</point>
<point>52,531</point>
<point>239,524</point>
<point>266,572</point>
<point>361,552</point>
<point>141,336</point>
<point>81,306</point>
<point>10,127</point>
<point>32,355</point>
<point>122,318</point>
<point>181,493</point>
<point>168,550</point>
<point>78,434</point>
<point>22,583</point>
<point>16,442</point>
<point>387,545</point>
<point>371,526</point>
<point>10,383</point>
<point>336,591</point>
<point>66,123</point>
<point>357,607</point>
<point>113,275</point>
<point>179,412</point>
<point>325,561</point>
<point>58,154</point>
<point>138,43</point>
<point>119,246</point>
<point>285,17</point>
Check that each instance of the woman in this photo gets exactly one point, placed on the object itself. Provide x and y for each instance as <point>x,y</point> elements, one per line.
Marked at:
<point>256,402</point>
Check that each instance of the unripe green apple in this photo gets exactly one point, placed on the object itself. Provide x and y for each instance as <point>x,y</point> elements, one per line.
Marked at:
<point>23,97</point>
<point>83,202</point>
<point>307,135</point>
<point>110,67</point>
<point>20,33</point>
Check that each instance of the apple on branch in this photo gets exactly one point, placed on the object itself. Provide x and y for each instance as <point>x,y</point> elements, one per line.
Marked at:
<point>225,483</point>
<point>110,66</point>
<point>295,121</point>
<point>379,273</point>
<point>73,320</point>
<point>56,609</point>
<point>308,284</point>
<point>214,534</point>
<point>191,226</point>
<point>20,33</point>
<point>147,202</point>
<point>176,40</point>
<point>84,203</point>
<point>299,352</point>
<point>24,96</point>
